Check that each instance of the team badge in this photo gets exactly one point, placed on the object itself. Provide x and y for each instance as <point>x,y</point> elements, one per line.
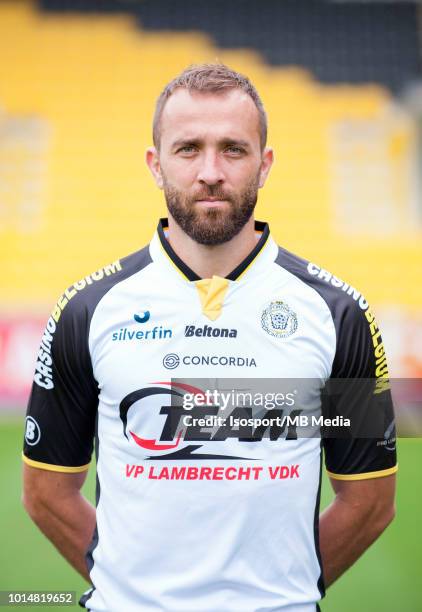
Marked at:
<point>279,320</point>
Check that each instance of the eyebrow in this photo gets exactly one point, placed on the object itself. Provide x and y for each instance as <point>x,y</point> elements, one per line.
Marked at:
<point>197,141</point>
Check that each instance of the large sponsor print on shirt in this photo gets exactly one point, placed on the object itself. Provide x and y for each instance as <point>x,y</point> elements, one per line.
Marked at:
<point>246,421</point>
<point>185,418</point>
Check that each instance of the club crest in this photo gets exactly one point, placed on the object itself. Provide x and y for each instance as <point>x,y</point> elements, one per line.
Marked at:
<point>279,320</point>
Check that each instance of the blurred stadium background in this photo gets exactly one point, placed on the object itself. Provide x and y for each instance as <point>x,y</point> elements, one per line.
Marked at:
<point>342,85</point>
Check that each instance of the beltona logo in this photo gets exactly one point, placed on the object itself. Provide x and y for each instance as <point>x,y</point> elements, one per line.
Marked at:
<point>210,332</point>
<point>279,320</point>
<point>156,333</point>
<point>172,361</point>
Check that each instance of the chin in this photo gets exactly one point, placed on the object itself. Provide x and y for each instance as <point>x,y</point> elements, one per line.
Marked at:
<point>212,214</point>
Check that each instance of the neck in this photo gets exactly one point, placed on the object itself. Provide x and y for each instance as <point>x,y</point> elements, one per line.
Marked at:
<point>217,260</point>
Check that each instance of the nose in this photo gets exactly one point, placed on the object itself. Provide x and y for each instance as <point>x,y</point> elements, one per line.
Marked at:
<point>210,171</point>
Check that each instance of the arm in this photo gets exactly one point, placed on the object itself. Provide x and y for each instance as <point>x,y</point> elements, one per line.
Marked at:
<point>360,512</point>
<point>54,502</point>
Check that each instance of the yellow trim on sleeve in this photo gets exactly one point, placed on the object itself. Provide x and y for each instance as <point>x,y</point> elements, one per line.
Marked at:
<point>54,468</point>
<point>364,475</point>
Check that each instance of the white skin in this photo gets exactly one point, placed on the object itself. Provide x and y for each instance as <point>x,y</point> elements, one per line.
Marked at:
<point>210,142</point>
<point>361,509</point>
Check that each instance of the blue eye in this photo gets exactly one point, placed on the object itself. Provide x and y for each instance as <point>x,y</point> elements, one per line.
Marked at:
<point>234,149</point>
<point>186,149</point>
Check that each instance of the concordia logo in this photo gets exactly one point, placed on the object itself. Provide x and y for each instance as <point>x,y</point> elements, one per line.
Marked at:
<point>172,361</point>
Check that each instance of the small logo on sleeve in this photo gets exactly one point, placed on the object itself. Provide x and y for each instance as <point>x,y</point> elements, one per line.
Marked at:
<point>32,431</point>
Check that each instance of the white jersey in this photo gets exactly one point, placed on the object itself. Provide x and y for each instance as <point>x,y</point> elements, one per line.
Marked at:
<point>204,505</point>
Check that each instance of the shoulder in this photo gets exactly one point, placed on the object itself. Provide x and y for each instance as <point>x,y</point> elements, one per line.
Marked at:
<point>64,342</point>
<point>81,298</point>
<point>343,300</point>
<point>359,346</point>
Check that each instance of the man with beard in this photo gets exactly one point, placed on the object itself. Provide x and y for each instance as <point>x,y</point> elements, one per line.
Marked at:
<point>191,517</point>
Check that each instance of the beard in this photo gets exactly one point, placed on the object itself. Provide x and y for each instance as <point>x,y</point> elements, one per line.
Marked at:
<point>211,226</point>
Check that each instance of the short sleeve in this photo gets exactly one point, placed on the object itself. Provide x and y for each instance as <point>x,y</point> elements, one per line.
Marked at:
<point>62,411</point>
<point>359,390</point>
<point>61,414</point>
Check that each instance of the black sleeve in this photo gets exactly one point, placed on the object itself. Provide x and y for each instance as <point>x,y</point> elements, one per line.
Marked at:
<point>359,390</point>
<point>62,408</point>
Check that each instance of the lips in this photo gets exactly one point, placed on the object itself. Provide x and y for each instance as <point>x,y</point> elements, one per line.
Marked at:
<point>211,200</point>
<point>214,195</point>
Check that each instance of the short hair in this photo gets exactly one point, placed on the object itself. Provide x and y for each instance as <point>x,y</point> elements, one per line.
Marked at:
<point>212,78</point>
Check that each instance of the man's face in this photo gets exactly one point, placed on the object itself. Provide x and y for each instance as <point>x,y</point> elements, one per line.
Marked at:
<point>210,162</point>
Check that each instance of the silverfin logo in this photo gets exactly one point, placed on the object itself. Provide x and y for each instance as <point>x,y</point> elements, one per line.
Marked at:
<point>143,317</point>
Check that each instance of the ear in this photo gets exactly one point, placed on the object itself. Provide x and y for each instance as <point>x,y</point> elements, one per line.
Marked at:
<point>266,163</point>
<point>153,162</point>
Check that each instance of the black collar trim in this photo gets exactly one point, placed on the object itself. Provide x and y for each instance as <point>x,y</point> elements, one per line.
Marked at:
<point>179,263</point>
<point>260,226</point>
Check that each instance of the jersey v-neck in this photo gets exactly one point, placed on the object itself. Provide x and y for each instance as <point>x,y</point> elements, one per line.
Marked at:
<point>261,228</point>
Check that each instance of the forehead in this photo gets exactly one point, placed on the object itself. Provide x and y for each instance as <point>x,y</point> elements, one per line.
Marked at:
<point>229,114</point>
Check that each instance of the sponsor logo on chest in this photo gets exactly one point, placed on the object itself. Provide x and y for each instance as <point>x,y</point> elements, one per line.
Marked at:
<point>206,331</point>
